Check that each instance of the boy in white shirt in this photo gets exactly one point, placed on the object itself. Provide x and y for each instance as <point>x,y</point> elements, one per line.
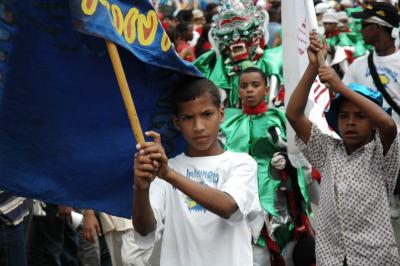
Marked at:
<point>201,198</point>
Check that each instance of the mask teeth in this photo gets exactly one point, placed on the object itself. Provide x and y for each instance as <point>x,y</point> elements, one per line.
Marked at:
<point>259,50</point>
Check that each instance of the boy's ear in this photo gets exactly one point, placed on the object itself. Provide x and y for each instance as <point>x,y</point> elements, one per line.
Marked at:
<point>222,113</point>
<point>176,122</point>
<point>266,91</point>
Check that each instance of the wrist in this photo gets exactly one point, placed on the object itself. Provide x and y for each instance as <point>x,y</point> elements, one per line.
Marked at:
<point>137,188</point>
<point>88,212</point>
<point>169,175</point>
<point>314,66</point>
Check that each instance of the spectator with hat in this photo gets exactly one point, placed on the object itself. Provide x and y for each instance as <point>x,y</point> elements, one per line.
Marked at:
<point>330,21</point>
<point>343,19</point>
<point>380,22</point>
<point>346,4</point>
<point>198,20</point>
<point>320,10</point>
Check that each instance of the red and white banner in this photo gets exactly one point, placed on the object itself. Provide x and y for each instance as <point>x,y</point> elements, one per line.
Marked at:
<point>296,26</point>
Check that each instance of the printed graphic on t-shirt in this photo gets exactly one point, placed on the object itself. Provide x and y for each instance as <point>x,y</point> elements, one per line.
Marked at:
<point>193,206</point>
<point>386,75</point>
<point>202,177</point>
<point>206,176</point>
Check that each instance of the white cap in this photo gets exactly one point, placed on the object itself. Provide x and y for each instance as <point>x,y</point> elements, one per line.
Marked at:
<point>329,17</point>
<point>197,13</point>
<point>341,16</point>
<point>348,3</point>
<point>321,8</point>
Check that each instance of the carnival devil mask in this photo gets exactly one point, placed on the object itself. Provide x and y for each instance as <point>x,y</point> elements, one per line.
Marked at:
<point>239,30</point>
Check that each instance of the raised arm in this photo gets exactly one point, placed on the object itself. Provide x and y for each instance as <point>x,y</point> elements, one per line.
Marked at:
<point>299,98</point>
<point>214,200</point>
<point>379,118</point>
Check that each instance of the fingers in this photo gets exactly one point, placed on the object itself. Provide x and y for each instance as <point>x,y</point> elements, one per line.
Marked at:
<point>146,167</point>
<point>315,44</point>
<point>98,229</point>
<point>88,235</point>
<point>326,73</point>
<point>151,149</point>
<point>158,157</point>
<point>154,135</point>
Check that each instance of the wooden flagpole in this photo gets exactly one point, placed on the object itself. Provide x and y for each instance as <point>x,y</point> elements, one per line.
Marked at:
<point>125,92</point>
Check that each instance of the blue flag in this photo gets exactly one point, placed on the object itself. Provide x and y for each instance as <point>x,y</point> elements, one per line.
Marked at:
<point>65,136</point>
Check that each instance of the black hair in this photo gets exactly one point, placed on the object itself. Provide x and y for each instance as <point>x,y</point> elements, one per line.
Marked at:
<point>180,29</point>
<point>191,88</point>
<point>254,70</point>
<point>202,40</point>
<point>210,7</point>
<point>185,15</point>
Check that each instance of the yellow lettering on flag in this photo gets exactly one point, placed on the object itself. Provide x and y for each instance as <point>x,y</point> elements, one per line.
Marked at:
<point>130,25</point>
<point>165,42</point>
<point>147,28</point>
<point>118,18</point>
<point>89,6</point>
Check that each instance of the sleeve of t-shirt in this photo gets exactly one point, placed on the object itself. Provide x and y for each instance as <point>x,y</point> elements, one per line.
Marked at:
<point>315,150</point>
<point>157,200</point>
<point>349,76</point>
<point>391,164</point>
<point>241,184</point>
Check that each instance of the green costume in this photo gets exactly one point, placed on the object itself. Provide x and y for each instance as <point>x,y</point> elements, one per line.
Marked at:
<point>251,134</point>
<point>353,39</point>
<point>355,26</point>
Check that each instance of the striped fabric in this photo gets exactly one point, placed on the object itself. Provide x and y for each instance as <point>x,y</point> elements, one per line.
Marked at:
<point>12,209</point>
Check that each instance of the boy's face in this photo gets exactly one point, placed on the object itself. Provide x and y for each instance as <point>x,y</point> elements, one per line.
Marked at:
<point>188,35</point>
<point>369,32</point>
<point>355,128</point>
<point>252,89</point>
<point>199,121</point>
<point>330,27</point>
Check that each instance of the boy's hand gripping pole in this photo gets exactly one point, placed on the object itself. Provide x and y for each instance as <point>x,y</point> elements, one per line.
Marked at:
<point>125,92</point>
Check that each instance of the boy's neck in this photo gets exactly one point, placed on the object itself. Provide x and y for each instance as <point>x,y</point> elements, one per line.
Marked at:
<point>350,148</point>
<point>259,109</point>
<point>213,151</point>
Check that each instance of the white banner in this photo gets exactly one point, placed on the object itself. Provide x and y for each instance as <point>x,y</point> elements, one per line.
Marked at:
<point>296,29</point>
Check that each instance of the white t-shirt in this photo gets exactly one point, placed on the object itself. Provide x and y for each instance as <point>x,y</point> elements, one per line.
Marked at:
<point>194,236</point>
<point>388,68</point>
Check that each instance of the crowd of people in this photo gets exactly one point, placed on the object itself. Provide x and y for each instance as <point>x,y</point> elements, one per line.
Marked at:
<point>234,197</point>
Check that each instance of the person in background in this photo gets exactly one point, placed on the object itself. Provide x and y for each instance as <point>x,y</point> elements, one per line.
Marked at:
<point>344,4</point>
<point>184,34</point>
<point>330,22</point>
<point>274,25</point>
<point>203,44</point>
<point>52,241</point>
<point>12,234</point>
<point>380,22</point>
<point>197,22</point>
<point>320,10</point>
<point>343,19</point>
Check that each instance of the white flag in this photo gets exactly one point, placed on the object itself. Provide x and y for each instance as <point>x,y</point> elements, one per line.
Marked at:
<point>296,29</point>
